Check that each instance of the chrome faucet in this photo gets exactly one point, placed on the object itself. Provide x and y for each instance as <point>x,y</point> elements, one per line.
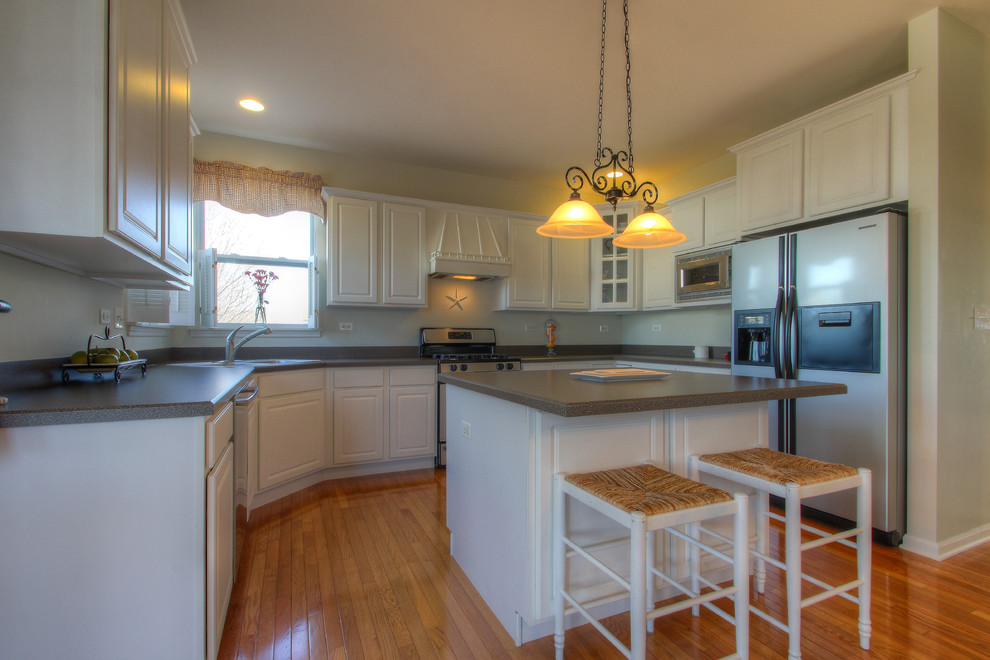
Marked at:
<point>231,347</point>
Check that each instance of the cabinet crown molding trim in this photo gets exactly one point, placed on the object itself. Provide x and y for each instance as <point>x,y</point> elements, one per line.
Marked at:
<point>329,192</point>
<point>701,191</point>
<point>866,95</point>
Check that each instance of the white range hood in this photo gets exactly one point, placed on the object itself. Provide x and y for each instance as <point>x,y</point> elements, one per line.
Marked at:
<point>470,246</point>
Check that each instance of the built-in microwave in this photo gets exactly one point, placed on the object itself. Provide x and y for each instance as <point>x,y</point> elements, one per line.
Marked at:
<point>703,276</point>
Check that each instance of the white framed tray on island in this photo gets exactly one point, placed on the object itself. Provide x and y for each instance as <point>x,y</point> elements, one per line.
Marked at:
<point>620,374</point>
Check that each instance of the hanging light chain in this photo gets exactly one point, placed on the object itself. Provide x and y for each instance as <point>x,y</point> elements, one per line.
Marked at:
<point>625,12</point>
<point>601,87</point>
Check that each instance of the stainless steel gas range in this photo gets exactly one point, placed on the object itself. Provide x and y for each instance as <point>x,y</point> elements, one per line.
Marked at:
<point>460,350</point>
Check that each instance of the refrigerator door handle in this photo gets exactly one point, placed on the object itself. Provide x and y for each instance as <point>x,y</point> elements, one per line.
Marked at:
<point>775,331</point>
<point>789,339</point>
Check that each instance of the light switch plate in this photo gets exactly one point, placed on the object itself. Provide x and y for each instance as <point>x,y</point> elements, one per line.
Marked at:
<point>105,317</point>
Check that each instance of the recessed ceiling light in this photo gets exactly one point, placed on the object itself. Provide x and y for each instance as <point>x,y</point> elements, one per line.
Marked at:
<point>252,105</point>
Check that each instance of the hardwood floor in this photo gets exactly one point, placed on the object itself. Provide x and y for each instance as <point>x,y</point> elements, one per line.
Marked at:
<point>359,568</point>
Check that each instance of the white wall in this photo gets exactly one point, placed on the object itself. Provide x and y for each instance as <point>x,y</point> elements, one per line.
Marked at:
<point>949,275</point>
<point>54,312</point>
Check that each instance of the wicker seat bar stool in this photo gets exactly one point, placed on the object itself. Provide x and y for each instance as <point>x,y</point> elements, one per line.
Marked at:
<point>645,499</point>
<point>794,478</point>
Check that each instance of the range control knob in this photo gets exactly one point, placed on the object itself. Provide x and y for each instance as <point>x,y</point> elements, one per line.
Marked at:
<point>453,367</point>
<point>508,365</point>
<point>463,367</point>
<point>500,366</point>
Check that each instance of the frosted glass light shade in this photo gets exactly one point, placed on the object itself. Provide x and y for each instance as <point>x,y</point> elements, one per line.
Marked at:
<point>649,230</point>
<point>575,219</point>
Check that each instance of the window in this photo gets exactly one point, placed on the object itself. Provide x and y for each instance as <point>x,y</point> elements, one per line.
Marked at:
<point>257,269</point>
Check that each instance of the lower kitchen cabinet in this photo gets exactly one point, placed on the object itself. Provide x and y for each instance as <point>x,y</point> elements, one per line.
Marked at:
<point>291,425</point>
<point>383,413</point>
<point>358,425</point>
<point>412,407</point>
<point>219,546</point>
<point>219,522</point>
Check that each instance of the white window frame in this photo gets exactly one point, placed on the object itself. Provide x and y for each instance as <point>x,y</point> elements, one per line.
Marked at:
<point>206,305</point>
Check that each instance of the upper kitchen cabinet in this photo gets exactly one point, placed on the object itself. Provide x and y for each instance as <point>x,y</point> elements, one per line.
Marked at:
<point>847,156</point>
<point>613,268</point>
<point>98,184</point>
<point>547,273</point>
<point>657,268</point>
<point>375,253</point>
<point>707,217</point>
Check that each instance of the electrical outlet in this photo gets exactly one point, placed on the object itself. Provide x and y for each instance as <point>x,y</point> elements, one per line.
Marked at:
<point>529,327</point>
<point>346,326</point>
<point>118,316</point>
<point>105,317</point>
<point>656,327</point>
<point>465,429</point>
<point>603,328</point>
<point>981,318</point>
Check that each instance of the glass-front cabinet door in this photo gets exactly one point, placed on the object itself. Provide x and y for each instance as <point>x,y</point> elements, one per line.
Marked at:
<point>614,268</point>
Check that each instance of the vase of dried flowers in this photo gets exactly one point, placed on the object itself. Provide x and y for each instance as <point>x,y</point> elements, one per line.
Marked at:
<point>261,278</point>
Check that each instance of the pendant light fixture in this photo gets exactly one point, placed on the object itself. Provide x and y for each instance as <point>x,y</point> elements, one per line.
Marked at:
<point>612,177</point>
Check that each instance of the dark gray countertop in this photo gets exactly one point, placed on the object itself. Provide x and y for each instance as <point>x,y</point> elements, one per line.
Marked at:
<point>559,393</point>
<point>165,392</point>
<point>173,390</point>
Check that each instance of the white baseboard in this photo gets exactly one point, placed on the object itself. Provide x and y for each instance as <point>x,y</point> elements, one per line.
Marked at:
<point>941,550</point>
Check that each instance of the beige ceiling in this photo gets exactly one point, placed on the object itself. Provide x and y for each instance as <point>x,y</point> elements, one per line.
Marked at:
<point>509,88</point>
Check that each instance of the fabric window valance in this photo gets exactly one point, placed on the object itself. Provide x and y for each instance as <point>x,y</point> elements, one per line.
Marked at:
<point>257,190</point>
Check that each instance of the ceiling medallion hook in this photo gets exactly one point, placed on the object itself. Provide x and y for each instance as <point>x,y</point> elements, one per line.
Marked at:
<point>613,178</point>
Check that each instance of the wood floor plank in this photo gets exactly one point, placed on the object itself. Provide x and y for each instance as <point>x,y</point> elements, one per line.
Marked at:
<point>360,568</point>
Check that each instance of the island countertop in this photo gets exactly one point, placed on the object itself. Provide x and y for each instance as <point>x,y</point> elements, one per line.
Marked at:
<point>559,393</point>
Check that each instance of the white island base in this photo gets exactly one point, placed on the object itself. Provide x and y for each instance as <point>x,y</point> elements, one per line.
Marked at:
<point>501,458</point>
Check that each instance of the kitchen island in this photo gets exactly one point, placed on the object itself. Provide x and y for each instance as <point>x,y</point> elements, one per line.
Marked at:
<point>508,433</point>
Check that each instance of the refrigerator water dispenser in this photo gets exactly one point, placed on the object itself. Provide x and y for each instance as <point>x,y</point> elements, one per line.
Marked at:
<point>753,333</point>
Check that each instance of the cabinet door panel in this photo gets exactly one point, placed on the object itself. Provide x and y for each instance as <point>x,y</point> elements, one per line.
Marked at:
<point>571,286</point>
<point>412,421</point>
<point>353,259</point>
<point>770,177</point>
<point>135,107</point>
<point>177,243</point>
<point>688,217</point>
<point>291,437</point>
<point>404,255</point>
<point>658,278</point>
<point>721,216</point>
<point>219,546</point>
<point>528,287</point>
<point>358,425</point>
<point>849,158</point>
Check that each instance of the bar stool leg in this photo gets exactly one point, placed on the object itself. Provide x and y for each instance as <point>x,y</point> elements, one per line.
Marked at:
<point>637,582</point>
<point>864,549</point>
<point>694,552</point>
<point>650,559</point>
<point>792,558</point>
<point>740,549</point>
<point>762,522</point>
<point>559,566</point>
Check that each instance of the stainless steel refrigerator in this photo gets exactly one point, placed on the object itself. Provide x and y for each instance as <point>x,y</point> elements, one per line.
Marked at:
<point>828,304</point>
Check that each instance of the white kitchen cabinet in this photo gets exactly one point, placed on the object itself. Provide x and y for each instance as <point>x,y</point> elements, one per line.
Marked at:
<point>412,412</point>
<point>771,181</point>
<point>528,285</point>
<point>352,261</point>
<point>376,253</point>
<point>246,445</point>
<point>707,216</point>
<point>291,425</point>
<point>848,156</point>
<point>570,261</point>
<point>383,413</point>
<point>613,268</point>
<point>107,144</point>
<point>219,546</point>
<point>219,523</point>
<point>359,415</point>
<point>658,278</point>
<point>547,273</point>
